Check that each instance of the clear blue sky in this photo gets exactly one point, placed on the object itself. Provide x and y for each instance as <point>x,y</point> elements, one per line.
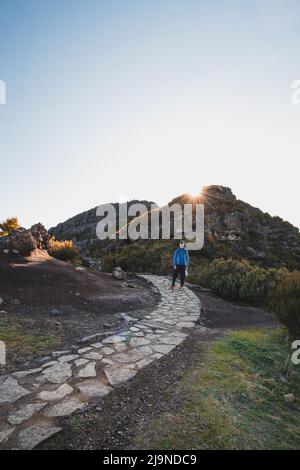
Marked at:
<point>118,99</point>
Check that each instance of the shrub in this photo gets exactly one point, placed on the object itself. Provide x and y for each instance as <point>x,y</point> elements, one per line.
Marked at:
<point>63,250</point>
<point>9,225</point>
<point>239,280</point>
<point>285,301</point>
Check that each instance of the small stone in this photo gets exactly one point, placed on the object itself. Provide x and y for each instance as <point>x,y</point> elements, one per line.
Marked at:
<point>58,394</point>
<point>80,270</point>
<point>32,436</point>
<point>289,398</point>
<point>88,371</point>
<point>54,312</point>
<point>25,413</point>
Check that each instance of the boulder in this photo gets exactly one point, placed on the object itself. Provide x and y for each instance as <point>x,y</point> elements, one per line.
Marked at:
<point>23,241</point>
<point>119,274</point>
<point>41,236</point>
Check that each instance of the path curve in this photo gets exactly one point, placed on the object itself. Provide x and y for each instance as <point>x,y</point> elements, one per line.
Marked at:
<point>32,402</point>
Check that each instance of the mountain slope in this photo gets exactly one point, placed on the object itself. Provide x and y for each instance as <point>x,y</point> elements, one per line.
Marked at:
<point>233,228</point>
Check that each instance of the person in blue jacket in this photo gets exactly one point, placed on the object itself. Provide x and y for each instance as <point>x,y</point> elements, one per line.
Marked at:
<point>181,263</point>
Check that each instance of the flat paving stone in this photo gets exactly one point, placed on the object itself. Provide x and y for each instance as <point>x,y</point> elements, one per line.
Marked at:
<point>11,391</point>
<point>144,362</point>
<point>68,358</point>
<point>25,413</point>
<point>66,408</point>
<point>23,373</point>
<point>88,371</point>
<point>58,373</point>
<point>139,341</point>
<point>114,339</point>
<point>118,375</point>
<point>55,395</point>
<point>94,355</point>
<point>32,436</point>
<point>107,351</point>
<point>49,364</point>
<point>163,348</point>
<point>97,345</point>
<point>132,355</point>
<point>93,389</point>
<point>84,350</point>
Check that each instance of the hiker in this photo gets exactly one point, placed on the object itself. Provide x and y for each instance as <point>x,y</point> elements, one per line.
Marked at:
<point>181,263</point>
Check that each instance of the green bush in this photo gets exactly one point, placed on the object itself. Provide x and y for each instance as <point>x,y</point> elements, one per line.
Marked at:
<point>239,280</point>
<point>285,301</point>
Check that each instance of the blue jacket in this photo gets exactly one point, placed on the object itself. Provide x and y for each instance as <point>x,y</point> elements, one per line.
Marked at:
<point>181,257</point>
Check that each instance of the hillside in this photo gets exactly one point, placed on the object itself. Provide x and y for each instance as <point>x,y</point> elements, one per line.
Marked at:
<point>233,228</point>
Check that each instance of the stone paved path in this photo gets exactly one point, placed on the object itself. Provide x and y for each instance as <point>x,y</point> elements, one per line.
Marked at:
<point>33,401</point>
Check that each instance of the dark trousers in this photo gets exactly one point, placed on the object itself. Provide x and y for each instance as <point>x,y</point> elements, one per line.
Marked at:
<point>181,270</point>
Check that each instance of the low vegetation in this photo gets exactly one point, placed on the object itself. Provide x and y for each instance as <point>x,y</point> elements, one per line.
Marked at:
<point>239,280</point>
<point>8,226</point>
<point>285,301</point>
<point>234,398</point>
<point>23,339</point>
<point>63,250</point>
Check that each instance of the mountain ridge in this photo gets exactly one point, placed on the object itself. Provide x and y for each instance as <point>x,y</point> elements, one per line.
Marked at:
<point>233,228</point>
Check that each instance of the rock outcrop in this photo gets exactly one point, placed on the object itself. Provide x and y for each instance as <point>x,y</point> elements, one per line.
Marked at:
<point>23,241</point>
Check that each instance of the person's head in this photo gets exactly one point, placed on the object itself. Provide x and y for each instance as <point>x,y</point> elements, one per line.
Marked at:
<point>181,244</point>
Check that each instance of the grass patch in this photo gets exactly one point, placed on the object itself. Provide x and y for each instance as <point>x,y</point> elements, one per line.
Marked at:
<point>23,342</point>
<point>233,398</point>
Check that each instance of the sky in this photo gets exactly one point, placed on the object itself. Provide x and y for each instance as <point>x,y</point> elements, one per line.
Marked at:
<point>119,100</point>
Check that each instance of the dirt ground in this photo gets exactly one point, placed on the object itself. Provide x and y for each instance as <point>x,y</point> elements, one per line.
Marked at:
<point>49,306</point>
<point>115,421</point>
